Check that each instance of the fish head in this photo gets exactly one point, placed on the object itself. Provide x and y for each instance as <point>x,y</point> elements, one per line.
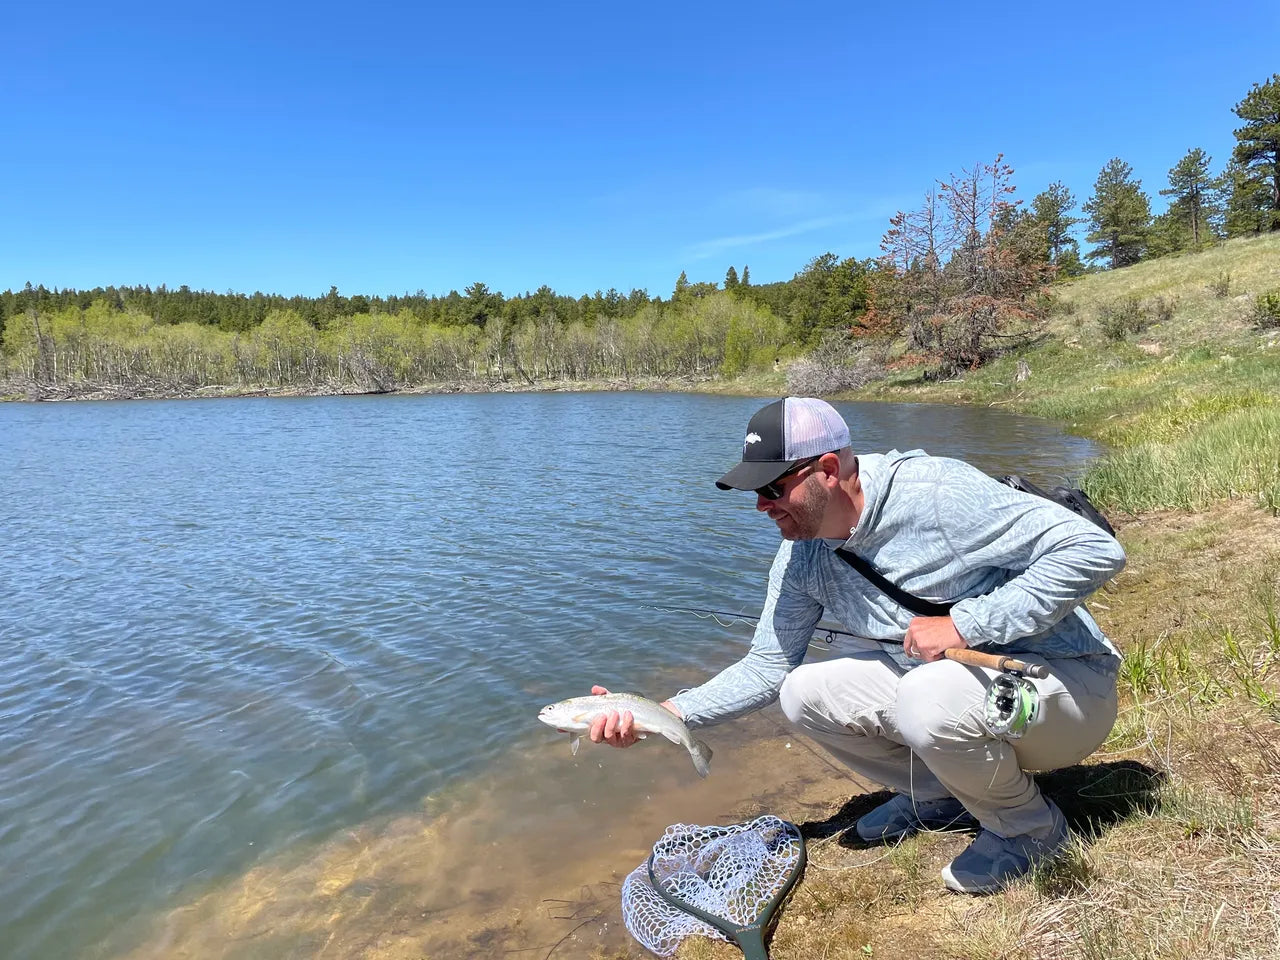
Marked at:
<point>558,715</point>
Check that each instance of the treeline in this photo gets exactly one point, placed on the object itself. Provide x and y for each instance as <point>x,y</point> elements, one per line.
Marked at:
<point>238,312</point>
<point>374,351</point>
<point>136,339</point>
<point>1204,207</point>
<point>961,279</point>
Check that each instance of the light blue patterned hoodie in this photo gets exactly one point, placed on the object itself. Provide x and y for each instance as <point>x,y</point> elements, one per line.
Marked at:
<point>1018,565</point>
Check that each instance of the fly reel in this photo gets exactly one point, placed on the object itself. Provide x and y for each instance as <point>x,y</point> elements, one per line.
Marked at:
<point>1012,703</point>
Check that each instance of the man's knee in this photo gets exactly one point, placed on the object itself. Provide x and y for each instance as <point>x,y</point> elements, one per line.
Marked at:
<point>797,693</point>
<point>939,702</point>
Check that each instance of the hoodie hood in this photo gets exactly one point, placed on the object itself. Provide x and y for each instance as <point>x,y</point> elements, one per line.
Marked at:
<point>876,472</point>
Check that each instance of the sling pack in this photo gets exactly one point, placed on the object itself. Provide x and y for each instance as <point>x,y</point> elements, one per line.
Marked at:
<point>1077,501</point>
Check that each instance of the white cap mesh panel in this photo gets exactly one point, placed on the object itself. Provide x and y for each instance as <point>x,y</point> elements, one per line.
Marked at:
<point>813,427</point>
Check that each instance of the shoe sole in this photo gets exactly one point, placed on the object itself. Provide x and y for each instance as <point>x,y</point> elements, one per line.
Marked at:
<point>956,886</point>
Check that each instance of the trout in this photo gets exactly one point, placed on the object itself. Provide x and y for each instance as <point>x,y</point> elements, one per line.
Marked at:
<point>574,717</point>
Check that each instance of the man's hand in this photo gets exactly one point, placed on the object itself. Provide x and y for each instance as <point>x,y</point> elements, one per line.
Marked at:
<point>615,728</point>
<point>928,637</point>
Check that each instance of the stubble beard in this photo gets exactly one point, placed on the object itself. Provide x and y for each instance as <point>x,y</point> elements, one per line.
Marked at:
<point>805,512</point>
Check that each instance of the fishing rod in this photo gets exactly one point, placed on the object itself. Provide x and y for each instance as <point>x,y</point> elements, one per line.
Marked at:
<point>1011,703</point>
<point>974,658</point>
<point>825,633</point>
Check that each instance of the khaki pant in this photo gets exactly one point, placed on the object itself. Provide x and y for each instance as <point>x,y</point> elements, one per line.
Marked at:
<point>921,732</point>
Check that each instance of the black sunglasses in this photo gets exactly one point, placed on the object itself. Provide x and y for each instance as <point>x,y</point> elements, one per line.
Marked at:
<point>773,490</point>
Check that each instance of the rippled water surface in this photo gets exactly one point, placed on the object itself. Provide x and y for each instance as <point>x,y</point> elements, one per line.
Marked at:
<point>233,628</point>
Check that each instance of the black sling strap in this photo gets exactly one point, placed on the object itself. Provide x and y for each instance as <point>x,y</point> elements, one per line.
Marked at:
<point>922,608</point>
<point>1077,501</point>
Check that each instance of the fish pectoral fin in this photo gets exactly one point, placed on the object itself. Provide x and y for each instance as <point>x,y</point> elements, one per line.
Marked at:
<point>574,740</point>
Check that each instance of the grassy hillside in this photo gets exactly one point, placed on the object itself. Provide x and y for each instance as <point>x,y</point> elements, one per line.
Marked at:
<point>1188,403</point>
<point>1177,816</point>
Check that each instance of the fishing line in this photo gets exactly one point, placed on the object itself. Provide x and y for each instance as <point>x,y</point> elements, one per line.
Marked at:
<point>823,632</point>
<point>1011,702</point>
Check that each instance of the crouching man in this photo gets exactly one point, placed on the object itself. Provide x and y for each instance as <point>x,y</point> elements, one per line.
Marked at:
<point>1008,572</point>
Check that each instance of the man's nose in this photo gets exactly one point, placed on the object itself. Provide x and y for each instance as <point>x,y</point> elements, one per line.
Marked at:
<point>763,503</point>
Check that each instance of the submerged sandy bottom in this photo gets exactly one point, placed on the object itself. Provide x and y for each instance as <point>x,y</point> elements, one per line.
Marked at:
<point>527,860</point>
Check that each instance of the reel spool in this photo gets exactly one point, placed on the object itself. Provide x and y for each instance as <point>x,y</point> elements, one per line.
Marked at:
<point>1012,703</point>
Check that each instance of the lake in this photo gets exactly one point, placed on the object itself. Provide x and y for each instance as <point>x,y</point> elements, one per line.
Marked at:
<point>253,651</point>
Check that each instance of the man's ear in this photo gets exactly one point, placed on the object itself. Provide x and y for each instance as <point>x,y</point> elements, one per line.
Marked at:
<point>830,463</point>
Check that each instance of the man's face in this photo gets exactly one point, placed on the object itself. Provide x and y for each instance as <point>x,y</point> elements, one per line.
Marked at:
<point>799,511</point>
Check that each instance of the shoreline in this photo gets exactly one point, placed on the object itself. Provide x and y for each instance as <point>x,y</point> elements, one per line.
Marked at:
<point>480,871</point>
<point>12,391</point>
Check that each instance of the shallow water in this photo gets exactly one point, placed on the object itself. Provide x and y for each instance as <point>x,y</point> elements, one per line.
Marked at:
<point>245,638</point>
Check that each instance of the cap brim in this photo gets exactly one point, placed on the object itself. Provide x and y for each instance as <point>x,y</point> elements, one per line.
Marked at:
<point>751,475</point>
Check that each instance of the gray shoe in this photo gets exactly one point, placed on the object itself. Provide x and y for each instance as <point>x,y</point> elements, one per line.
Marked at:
<point>901,817</point>
<point>992,862</point>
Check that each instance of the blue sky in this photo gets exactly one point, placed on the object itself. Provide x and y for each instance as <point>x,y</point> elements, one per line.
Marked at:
<point>392,147</point>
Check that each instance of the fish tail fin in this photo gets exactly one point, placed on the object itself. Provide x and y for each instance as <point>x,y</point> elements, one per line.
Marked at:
<point>701,754</point>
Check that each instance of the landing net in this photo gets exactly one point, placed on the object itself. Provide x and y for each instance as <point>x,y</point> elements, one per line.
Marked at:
<point>732,872</point>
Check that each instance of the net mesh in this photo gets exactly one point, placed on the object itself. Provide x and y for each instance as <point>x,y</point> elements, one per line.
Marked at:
<point>731,871</point>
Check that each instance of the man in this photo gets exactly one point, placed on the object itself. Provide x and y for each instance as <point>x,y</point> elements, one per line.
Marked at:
<point>1016,566</point>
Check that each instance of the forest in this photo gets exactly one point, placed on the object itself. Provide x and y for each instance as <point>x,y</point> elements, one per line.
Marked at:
<point>964,277</point>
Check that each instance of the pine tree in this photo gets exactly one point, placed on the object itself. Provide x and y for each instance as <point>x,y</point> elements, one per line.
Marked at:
<point>1258,143</point>
<point>746,276</point>
<point>1243,200</point>
<point>1169,233</point>
<point>1119,215</point>
<point>1052,213</point>
<point>1191,188</point>
<point>731,278</point>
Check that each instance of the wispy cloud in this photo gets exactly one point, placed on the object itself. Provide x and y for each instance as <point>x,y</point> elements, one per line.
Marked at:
<point>710,248</point>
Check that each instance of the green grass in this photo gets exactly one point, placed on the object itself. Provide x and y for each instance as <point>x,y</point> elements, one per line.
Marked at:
<point>1189,406</point>
<point>1192,280</point>
<point>1235,455</point>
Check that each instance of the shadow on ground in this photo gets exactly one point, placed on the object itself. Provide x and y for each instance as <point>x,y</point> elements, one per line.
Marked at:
<point>1093,797</point>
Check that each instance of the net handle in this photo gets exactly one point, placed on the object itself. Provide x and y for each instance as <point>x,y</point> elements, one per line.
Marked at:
<point>750,937</point>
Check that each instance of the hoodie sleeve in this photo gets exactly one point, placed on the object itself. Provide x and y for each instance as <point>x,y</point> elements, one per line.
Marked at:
<point>780,643</point>
<point>1056,558</point>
